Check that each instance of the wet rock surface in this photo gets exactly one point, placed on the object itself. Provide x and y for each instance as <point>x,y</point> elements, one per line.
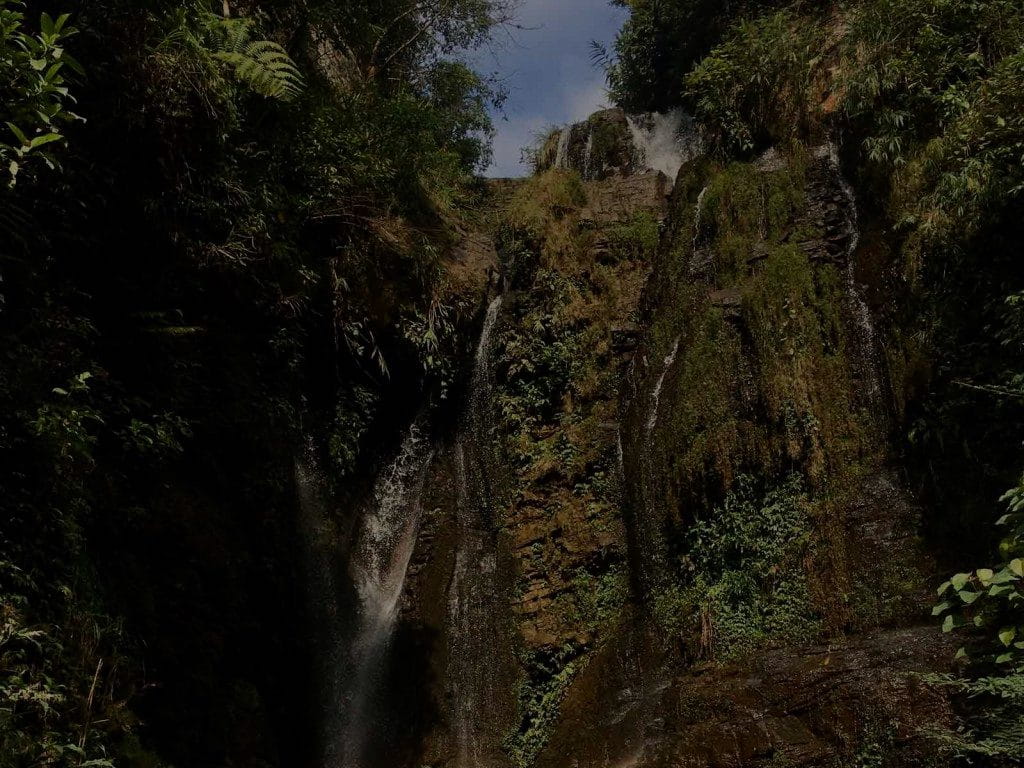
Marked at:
<point>813,706</point>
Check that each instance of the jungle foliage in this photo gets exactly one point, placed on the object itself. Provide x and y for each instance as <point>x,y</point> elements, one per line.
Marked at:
<point>221,228</point>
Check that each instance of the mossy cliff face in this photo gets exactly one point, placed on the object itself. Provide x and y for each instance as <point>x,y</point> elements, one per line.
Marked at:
<point>707,554</point>
<point>758,393</point>
<point>779,587</point>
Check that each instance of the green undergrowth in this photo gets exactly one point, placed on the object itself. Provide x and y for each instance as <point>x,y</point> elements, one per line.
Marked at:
<point>743,582</point>
<point>546,681</point>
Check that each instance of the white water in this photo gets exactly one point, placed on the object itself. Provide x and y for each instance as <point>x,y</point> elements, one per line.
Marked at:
<point>862,313</point>
<point>472,594</point>
<point>378,565</point>
<point>663,141</point>
<point>588,155</point>
<point>670,359</point>
<point>480,364</point>
<point>698,216</point>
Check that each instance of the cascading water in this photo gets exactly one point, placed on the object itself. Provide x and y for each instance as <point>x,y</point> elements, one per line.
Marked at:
<point>474,596</point>
<point>865,326</point>
<point>663,141</point>
<point>378,564</point>
<point>670,359</point>
<point>562,151</point>
<point>698,216</point>
<point>660,142</point>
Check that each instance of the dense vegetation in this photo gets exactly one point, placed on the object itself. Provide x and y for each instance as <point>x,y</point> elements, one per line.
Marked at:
<point>926,98</point>
<point>223,238</point>
<point>221,228</point>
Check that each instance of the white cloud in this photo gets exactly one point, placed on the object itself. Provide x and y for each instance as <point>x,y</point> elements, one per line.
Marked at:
<point>546,67</point>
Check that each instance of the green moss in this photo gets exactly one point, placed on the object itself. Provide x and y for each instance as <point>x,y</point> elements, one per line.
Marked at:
<point>763,386</point>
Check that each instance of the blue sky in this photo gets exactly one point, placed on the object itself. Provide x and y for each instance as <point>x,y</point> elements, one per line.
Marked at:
<point>547,70</point>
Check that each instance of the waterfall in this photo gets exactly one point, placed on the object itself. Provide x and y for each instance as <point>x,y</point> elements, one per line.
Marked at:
<point>867,338</point>
<point>670,359</point>
<point>663,141</point>
<point>588,154</point>
<point>474,597</point>
<point>378,564</point>
<point>698,216</point>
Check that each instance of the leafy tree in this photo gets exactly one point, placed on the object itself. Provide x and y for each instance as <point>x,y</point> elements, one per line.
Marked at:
<point>34,93</point>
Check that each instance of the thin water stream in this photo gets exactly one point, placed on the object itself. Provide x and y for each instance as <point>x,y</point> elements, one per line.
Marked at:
<point>863,320</point>
<point>473,595</point>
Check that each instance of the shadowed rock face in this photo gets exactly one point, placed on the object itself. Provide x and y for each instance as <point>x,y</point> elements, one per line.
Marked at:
<point>802,707</point>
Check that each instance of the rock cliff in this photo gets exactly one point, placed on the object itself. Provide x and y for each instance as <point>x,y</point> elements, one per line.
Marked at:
<point>666,527</point>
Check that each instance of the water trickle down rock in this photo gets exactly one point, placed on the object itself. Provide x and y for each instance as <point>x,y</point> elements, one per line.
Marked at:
<point>670,359</point>
<point>648,526</point>
<point>611,143</point>
<point>474,604</point>
<point>863,322</point>
<point>378,564</point>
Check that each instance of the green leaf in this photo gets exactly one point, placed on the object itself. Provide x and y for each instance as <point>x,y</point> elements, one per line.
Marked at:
<point>1003,658</point>
<point>47,138</point>
<point>17,132</point>
<point>1005,576</point>
<point>960,581</point>
<point>72,62</point>
<point>947,625</point>
<point>985,575</point>
<point>1007,635</point>
<point>969,597</point>
<point>1017,566</point>
<point>941,608</point>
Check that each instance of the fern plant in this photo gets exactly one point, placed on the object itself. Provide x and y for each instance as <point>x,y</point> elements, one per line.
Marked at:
<point>262,65</point>
<point>209,41</point>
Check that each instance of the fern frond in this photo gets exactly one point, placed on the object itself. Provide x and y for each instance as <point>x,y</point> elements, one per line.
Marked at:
<point>263,65</point>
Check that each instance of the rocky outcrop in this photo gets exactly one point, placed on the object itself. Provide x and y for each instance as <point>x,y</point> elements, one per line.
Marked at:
<point>597,148</point>
<point>814,706</point>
